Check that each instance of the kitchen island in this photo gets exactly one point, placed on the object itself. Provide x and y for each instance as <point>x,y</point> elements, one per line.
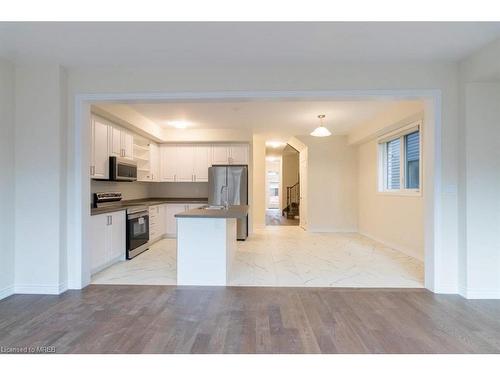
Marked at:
<point>206,244</point>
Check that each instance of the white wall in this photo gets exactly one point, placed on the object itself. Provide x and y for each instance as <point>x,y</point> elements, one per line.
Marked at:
<point>394,220</point>
<point>40,179</point>
<point>476,243</point>
<point>440,76</point>
<point>258,196</point>
<point>332,181</point>
<point>7,178</point>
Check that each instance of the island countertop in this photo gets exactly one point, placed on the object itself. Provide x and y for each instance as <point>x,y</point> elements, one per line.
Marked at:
<point>233,212</point>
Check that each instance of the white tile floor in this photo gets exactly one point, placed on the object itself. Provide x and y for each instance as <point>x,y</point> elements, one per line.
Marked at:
<point>285,256</point>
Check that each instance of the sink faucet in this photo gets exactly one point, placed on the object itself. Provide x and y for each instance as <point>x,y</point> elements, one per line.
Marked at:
<point>225,202</point>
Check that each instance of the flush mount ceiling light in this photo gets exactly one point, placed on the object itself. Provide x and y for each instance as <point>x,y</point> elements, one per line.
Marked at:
<point>179,124</point>
<point>321,131</point>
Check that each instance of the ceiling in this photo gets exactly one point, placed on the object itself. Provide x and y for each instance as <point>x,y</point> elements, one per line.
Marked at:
<point>204,44</point>
<point>281,118</point>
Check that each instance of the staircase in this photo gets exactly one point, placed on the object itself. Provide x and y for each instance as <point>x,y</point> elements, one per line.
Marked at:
<point>291,211</point>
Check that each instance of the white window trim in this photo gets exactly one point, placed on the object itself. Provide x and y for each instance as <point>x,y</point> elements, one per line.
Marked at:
<point>381,160</point>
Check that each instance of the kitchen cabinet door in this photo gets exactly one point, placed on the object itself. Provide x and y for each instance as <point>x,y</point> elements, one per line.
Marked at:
<point>97,242</point>
<point>117,236</point>
<point>171,221</point>
<point>127,141</point>
<point>238,154</point>
<point>115,142</point>
<point>162,220</point>
<point>201,163</point>
<point>184,157</point>
<point>168,163</point>
<point>100,159</point>
<point>220,154</point>
<point>154,161</point>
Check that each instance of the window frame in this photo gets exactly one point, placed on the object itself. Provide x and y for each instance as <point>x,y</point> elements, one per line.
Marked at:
<point>382,160</point>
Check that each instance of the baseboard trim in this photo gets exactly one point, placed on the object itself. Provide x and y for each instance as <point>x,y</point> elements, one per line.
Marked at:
<point>6,292</point>
<point>406,251</point>
<point>40,288</point>
<point>481,294</point>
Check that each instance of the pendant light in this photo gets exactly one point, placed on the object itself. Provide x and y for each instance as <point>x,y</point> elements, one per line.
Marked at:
<point>321,131</point>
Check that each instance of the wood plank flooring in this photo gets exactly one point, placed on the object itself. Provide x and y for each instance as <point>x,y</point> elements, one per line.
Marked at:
<point>169,319</point>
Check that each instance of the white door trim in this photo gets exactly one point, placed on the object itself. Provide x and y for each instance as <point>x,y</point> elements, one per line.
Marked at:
<point>78,214</point>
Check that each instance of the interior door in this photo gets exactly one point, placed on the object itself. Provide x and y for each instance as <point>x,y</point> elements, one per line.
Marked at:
<point>100,150</point>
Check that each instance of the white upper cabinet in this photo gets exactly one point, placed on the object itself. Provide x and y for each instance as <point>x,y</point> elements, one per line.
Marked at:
<point>121,143</point>
<point>184,163</point>
<point>128,145</point>
<point>99,168</point>
<point>154,162</point>
<point>168,156</point>
<point>230,154</point>
<point>202,161</point>
<point>238,154</point>
<point>220,154</point>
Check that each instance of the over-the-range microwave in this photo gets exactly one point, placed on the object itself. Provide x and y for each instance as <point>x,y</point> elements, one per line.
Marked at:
<point>121,169</point>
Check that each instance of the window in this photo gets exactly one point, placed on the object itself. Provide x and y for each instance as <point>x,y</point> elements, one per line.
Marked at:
<point>400,161</point>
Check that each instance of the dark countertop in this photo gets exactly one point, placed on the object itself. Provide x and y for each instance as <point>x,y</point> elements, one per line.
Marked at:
<point>236,212</point>
<point>123,205</point>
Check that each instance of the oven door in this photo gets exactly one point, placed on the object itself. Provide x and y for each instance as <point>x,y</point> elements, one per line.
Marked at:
<point>137,231</point>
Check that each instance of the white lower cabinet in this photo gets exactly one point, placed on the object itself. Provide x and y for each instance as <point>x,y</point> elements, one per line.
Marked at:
<point>157,222</point>
<point>171,222</point>
<point>107,240</point>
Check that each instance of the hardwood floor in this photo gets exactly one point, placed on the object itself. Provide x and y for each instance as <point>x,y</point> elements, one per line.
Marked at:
<point>169,319</point>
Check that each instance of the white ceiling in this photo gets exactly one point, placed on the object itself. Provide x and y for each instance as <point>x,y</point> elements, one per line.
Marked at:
<point>244,44</point>
<point>282,118</point>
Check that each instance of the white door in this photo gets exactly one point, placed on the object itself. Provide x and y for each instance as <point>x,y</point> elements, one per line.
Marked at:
<point>100,160</point>
<point>97,242</point>
<point>303,189</point>
<point>238,154</point>
<point>117,236</point>
<point>184,163</point>
<point>171,211</point>
<point>220,154</point>
<point>154,161</point>
<point>167,162</point>
<point>115,141</point>
<point>201,163</point>
<point>127,145</point>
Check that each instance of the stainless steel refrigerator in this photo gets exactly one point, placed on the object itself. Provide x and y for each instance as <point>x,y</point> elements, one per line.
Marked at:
<point>234,178</point>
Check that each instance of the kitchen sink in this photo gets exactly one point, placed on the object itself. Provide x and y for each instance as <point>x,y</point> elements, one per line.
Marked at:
<point>212,207</point>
